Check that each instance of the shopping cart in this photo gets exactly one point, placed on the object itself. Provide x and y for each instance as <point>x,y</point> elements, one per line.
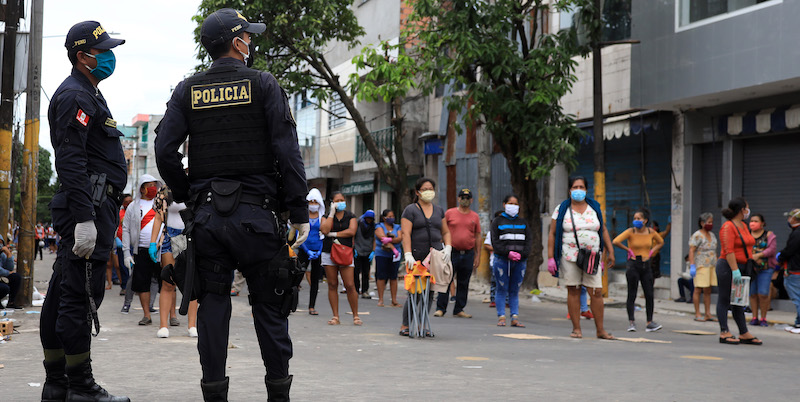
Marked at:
<point>417,282</point>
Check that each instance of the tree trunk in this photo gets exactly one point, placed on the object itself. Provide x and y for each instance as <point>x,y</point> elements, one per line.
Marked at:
<point>529,202</point>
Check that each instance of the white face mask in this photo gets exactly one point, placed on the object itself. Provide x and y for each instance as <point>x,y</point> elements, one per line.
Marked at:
<point>247,55</point>
<point>512,210</point>
<point>427,195</point>
<point>313,207</point>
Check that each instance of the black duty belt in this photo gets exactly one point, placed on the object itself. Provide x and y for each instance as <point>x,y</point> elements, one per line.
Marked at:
<point>462,252</point>
<point>114,194</point>
<point>263,201</point>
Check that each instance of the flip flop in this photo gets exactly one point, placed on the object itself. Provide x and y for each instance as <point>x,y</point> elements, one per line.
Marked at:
<point>751,341</point>
<point>311,311</point>
<point>729,340</point>
<point>397,305</point>
<point>404,332</point>
<point>700,319</point>
<point>380,304</point>
<point>501,322</point>
<point>712,319</point>
<point>516,323</point>
<point>576,335</point>
<point>607,337</point>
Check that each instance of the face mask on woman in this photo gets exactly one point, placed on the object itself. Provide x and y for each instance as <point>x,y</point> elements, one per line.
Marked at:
<point>427,195</point>
<point>313,207</point>
<point>578,195</point>
<point>512,210</point>
<point>340,206</point>
<point>389,222</point>
<point>638,224</point>
<point>708,227</point>
<point>754,226</point>
<point>746,214</point>
<point>150,192</point>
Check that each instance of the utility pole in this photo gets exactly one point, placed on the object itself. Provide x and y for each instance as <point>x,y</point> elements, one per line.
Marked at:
<point>30,157</point>
<point>7,109</point>
<point>597,124</point>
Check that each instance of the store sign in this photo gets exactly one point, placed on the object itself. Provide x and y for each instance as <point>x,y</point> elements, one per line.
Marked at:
<point>358,188</point>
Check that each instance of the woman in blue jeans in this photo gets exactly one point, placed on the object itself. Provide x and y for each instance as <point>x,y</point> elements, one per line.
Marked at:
<point>512,245</point>
<point>764,254</point>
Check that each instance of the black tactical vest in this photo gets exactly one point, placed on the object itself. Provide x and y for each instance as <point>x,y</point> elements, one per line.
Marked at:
<point>227,124</point>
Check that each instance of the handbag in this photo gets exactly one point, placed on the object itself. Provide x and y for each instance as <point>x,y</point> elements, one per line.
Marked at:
<point>341,254</point>
<point>588,260</point>
<point>750,268</point>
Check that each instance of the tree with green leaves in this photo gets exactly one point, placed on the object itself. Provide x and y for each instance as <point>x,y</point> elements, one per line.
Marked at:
<point>514,73</point>
<point>293,49</point>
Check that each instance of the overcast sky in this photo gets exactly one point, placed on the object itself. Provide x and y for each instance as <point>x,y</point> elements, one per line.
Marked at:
<point>158,52</point>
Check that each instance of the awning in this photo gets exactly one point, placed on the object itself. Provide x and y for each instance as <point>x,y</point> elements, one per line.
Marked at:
<point>761,121</point>
<point>625,124</point>
<point>362,187</point>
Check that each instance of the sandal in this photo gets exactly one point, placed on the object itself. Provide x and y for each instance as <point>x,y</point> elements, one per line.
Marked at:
<point>576,335</point>
<point>700,319</point>
<point>404,332</point>
<point>729,340</point>
<point>607,336</point>
<point>380,304</point>
<point>711,319</point>
<point>501,321</point>
<point>395,304</point>
<point>334,321</point>
<point>357,321</point>
<point>751,341</point>
<point>516,323</point>
<point>311,311</point>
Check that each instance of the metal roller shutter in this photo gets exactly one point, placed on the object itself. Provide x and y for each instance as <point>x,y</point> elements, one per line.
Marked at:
<point>710,185</point>
<point>769,179</point>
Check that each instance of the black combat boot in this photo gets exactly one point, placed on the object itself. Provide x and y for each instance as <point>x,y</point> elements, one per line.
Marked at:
<point>82,387</point>
<point>216,391</point>
<point>55,382</point>
<point>278,390</point>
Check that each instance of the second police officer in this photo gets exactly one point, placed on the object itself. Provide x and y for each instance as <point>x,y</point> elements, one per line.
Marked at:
<point>242,145</point>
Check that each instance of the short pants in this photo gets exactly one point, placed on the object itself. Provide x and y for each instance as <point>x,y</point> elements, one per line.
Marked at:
<point>760,284</point>
<point>166,245</point>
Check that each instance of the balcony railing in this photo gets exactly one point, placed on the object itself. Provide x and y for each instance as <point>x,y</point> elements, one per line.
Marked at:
<point>384,138</point>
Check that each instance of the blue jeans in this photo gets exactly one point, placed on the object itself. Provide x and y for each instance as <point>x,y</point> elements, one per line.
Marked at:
<point>760,284</point>
<point>792,285</point>
<point>584,300</point>
<point>508,275</point>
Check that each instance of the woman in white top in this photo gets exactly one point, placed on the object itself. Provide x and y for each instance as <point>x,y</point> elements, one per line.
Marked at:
<point>169,212</point>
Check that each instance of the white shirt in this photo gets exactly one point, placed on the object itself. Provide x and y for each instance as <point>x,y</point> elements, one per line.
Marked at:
<point>144,235</point>
<point>491,254</point>
<point>174,220</point>
<point>588,226</point>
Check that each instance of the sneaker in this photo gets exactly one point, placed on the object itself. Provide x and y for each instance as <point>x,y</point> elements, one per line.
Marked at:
<point>754,322</point>
<point>122,292</point>
<point>653,326</point>
<point>438,313</point>
<point>173,322</point>
<point>452,298</point>
<point>163,332</point>
<point>125,309</point>
<point>234,292</point>
<point>632,327</point>
<point>587,314</point>
<point>193,332</point>
<point>492,305</point>
<point>145,321</point>
<point>764,323</point>
<point>366,295</point>
<point>153,309</point>
<point>462,314</point>
<point>680,300</point>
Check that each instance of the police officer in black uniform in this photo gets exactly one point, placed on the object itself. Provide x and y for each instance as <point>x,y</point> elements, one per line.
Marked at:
<point>91,167</point>
<point>244,167</point>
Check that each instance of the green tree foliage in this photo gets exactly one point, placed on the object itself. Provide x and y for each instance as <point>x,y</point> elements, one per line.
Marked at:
<point>294,48</point>
<point>44,188</point>
<point>514,74</point>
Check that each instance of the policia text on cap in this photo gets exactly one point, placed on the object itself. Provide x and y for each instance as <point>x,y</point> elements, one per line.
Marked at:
<point>92,169</point>
<point>244,169</point>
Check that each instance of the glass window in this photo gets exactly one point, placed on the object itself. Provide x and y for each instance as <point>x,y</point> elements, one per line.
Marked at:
<point>336,106</point>
<point>616,20</point>
<point>697,10</point>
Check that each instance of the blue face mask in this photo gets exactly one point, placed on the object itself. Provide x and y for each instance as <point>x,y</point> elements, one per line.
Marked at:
<point>106,62</point>
<point>578,195</point>
<point>638,224</point>
<point>340,206</point>
<point>389,223</point>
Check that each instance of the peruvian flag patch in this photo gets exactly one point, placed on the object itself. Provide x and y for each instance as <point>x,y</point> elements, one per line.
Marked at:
<point>82,118</point>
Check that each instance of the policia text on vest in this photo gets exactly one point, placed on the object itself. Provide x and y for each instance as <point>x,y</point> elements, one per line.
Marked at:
<point>221,94</point>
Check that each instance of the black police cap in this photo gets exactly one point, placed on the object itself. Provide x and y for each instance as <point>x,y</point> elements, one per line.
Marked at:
<point>90,35</point>
<point>225,24</point>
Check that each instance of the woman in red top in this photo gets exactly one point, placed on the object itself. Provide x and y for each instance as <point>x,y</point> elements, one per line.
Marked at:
<point>734,237</point>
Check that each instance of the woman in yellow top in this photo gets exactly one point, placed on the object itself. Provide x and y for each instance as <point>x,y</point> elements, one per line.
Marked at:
<point>642,243</point>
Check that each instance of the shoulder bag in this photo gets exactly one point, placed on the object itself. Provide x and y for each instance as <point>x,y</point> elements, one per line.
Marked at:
<point>340,254</point>
<point>588,260</point>
<point>750,268</point>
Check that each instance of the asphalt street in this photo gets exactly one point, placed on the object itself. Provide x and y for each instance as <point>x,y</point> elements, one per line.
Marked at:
<point>468,360</point>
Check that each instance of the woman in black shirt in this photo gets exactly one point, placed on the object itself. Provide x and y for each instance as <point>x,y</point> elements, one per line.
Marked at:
<point>341,227</point>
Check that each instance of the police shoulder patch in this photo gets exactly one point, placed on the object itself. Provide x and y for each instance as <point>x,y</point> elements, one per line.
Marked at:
<point>222,94</point>
<point>82,117</point>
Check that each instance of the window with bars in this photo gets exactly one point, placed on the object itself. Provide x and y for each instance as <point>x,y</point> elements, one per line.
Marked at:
<point>336,117</point>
